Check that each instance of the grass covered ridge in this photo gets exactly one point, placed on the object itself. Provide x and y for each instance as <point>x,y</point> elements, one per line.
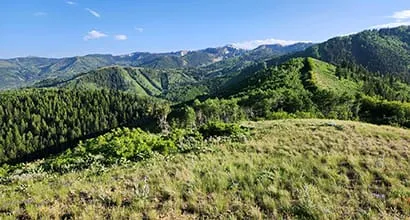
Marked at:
<point>314,169</point>
<point>323,76</point>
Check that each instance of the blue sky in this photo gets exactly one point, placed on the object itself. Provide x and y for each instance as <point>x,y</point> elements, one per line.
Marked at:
<point>58,28</point>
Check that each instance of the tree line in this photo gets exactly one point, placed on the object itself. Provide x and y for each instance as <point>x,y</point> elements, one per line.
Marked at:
<point>48,119</point>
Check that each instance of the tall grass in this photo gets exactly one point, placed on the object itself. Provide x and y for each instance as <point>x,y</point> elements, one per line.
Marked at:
<point>293,169</point>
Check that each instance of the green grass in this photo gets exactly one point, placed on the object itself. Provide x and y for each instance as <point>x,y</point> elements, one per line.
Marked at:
<point>303,169</point>
<point>324,77</point>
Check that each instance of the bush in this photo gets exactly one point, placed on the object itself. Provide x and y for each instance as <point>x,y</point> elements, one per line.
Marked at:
<point>385,112</point>
<point>183,117</point>
<point>307,115</point>
<point>186,140</point>
<point>281,115</point>
<point>219,129</point>
<point>116,147</point>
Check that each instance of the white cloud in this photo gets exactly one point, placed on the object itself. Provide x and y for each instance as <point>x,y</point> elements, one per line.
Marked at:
<point>71,3</point>
<point>96,14</point>
<point>121,37</point>
<point>401,15</point>
<point>139,29</point>
<point>92,35</point>
<point>348,34</point>
<point>391,25</point>
<point>256,43</point>
<point>39,14</point>
<point>402,18</point>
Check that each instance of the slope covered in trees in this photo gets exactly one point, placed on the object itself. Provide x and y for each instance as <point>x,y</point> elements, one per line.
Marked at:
<point>385,51</point>
<point>142,81</point>
<point>305,87</point>
<point>34,123</point>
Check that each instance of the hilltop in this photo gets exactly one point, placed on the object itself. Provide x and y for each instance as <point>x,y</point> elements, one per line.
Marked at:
<point>288,169</point>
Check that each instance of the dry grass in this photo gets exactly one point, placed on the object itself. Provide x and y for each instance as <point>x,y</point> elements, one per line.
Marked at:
<point>311,169</point>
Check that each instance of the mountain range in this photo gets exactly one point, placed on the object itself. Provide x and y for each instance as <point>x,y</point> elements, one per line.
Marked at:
<point>19,72</point>
<point>184,75</point>
<point>385,51</point>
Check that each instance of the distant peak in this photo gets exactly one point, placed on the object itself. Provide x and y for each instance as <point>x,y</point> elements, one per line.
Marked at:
<point>249,45</point>
<point>231,46</point>
<point>234,47</point>
<point>183,52</point>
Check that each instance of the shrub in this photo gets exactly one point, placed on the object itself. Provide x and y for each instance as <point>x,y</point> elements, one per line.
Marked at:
<point>218,129</point>
<point>115,147</point>
<point>385,112</point>
<point>281,115</point>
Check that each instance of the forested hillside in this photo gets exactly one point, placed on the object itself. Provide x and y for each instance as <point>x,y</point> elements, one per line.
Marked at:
<point>142,81</point>
<point>308,88</point>
<point>385,51</point>
<point>35,123</point>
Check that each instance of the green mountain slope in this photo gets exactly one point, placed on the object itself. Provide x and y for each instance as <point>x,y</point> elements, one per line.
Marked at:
<point>142,81</point>
<point>308,88</point>
<point>37,122</point>
<point>324,76</point>
<point>296,73</point>
<point>386,51</point>
<point>112,78</point>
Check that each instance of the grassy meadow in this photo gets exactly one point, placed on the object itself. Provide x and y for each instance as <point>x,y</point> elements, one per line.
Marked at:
<point>286,169</point>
